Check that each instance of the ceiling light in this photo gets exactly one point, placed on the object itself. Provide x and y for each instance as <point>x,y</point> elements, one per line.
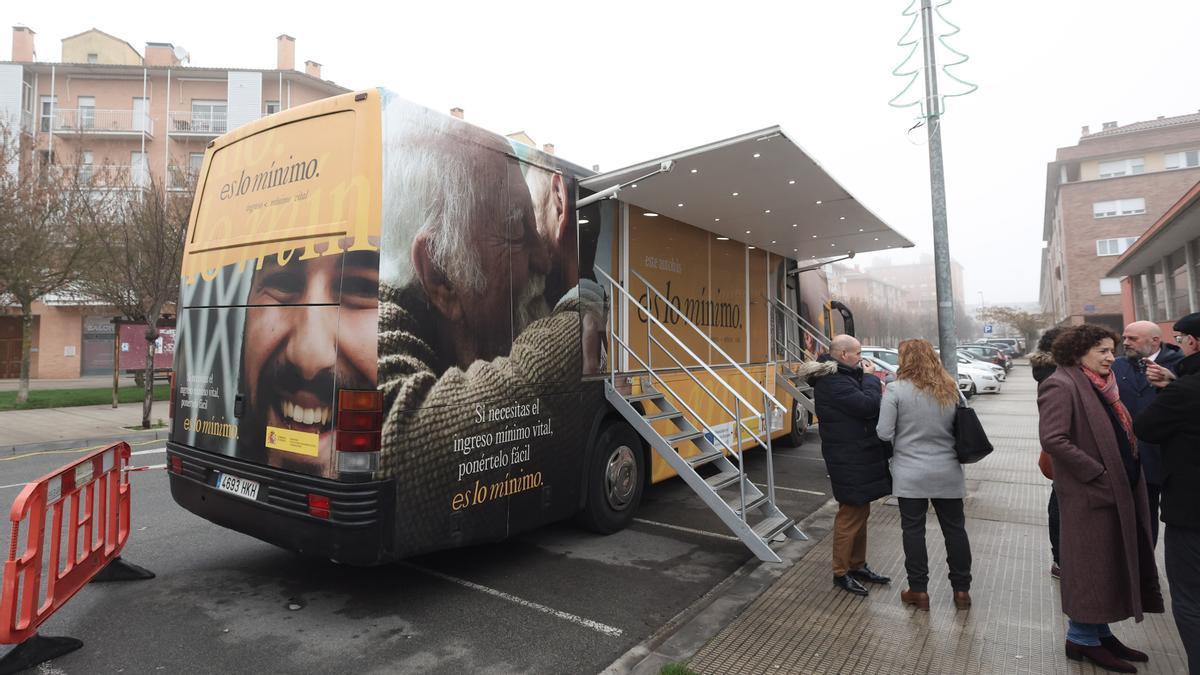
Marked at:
<point>634,185</point>
<point>795,224</point>
<point>716,220</point>
<point>814,236</point>
<point>818,201</point>
<point>842,218</point>
<point>722,238</point>
<point>735,194</point>
<point>794,250</point>
<point>650,215</point>
<point>756,155</point>
<point>791,182</point>
<point>772,241</point>
<point>680,205</point>
<point>751,248</point>
<point>584,221</point>
<point>876,238</point>
<point>860,229</point>
<point>694,170</point>
<point>833,246</point>
<point>767,211</point>
<point>747,231</point>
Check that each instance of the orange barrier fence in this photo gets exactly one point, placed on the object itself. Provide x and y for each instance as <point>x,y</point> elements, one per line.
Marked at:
<point>85,508</point>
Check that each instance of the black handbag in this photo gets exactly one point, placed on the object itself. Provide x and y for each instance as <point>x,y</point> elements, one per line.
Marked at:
<point>971,443</point>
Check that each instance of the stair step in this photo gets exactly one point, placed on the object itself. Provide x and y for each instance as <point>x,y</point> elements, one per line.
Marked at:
<point>735,503</point>
<point>722,480</point>
<point>662,416</point>
<point>644,396</point>
<point>767,529</point>
<point>703,458</point>
<point>683,436</point>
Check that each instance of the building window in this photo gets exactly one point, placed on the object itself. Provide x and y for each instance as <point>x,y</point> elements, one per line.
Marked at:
<point>195,161</point>
<point>1114,246</point>
<point>271,107</point>
<point>87,112</point>
<point>1122,167</point>
<point>1119,207</point>
<point>93,58</point>
<point>209,116</point>
<point>1110,286</point>
<point>1184,159</point>
<point>85,166</point>
<point>48,105</point>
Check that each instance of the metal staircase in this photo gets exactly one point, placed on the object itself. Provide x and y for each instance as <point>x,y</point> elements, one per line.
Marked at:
<point>791,352</point>
<point>694,442</point>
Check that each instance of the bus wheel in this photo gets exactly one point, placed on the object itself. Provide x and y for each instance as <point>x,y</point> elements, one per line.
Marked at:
<point>615,478</point>
<point>800,421</point>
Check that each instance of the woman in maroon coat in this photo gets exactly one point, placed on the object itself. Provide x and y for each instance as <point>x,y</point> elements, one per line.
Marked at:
<point>1107,559</point>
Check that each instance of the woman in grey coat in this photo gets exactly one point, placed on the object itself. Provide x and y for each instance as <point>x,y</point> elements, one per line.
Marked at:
<point>917,416</point>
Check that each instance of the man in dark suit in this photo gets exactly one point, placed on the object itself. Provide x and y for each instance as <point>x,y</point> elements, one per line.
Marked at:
<point>1171,420</point>
<point>1143,340</point>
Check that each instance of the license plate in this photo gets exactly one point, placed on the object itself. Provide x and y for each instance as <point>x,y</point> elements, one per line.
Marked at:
<point>237,486</point>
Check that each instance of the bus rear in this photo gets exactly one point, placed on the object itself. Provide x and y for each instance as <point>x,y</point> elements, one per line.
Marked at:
<point>276,420</point>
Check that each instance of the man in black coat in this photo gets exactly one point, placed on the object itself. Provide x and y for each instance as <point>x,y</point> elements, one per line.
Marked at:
<point>1143,340</point>
<point>847,396</point>
<point>1173,422</point>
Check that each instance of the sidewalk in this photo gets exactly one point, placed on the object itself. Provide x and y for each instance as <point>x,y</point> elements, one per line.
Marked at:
<point>89,382</point>
<point>802,624</point>
<point>82,426</point>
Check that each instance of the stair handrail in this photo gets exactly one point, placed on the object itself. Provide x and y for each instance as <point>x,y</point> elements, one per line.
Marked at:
<point>803,323</point>
<point>786,345</point>
<point>712,345</point>
<point>738,422</point>
<point>653,373</point>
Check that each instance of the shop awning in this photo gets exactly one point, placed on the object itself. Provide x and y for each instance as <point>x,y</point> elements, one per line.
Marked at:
<point>762,189</point>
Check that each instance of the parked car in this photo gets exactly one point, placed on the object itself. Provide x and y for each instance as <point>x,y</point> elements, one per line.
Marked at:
<point>984,378</point>
<point>990,353</point>
<point>999,371</point>
<point>883,370</point>
<point>965,385</point>
<point>888,356</point>
<point>1017,345</point>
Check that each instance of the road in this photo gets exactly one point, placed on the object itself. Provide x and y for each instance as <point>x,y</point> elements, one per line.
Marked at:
<point>558,599</point>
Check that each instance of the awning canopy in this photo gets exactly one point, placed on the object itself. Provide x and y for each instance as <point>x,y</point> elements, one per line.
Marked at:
<point>762,189</point>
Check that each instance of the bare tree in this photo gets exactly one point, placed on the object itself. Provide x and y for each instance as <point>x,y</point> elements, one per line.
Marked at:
<point>1028,324</point>
<point>42,249</point>
<point>139,232</point>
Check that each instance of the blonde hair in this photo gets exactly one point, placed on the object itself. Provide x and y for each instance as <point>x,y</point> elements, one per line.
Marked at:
<point>919,364</point>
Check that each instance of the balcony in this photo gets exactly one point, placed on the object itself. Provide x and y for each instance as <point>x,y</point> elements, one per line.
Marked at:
<point>181,178</point>
<point>197,123</point>
<point>102,177</point>
<point>102,122</point>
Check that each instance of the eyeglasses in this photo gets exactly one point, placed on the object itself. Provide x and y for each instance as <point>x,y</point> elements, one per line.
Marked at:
<point>1179,338</point>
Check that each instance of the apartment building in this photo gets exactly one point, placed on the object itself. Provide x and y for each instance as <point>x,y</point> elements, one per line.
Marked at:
<point>109,109</point>
<point>1102,194</point>
<point>918,282</point>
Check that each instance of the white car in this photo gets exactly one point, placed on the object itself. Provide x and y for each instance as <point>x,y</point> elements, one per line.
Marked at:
<point>983,378</point>
<point>998,371</point>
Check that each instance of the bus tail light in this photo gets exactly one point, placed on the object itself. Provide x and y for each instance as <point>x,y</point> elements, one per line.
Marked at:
<point>358,430</point>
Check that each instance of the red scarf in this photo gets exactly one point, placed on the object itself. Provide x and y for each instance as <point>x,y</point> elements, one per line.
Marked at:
<point>1108,390</point>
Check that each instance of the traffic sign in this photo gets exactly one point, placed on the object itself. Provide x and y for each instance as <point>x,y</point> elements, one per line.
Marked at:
<point>987,329</point>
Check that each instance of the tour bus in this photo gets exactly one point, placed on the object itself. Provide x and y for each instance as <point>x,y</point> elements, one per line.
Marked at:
<point>399,332</point>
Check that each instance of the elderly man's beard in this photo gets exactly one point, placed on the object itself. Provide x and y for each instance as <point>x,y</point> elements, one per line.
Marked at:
<point>531,304</point>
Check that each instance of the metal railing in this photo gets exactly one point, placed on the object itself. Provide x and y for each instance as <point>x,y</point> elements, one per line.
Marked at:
<point>102,176</point>
<point>92,120</point>
<point>770,405</point>
<point>197,122</point>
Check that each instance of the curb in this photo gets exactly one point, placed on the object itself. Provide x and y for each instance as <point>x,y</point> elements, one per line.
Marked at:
<point>82,444</point>
<point>692,628</point>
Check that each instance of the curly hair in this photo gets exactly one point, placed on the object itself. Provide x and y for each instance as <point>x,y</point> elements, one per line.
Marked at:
<point>1048,338</point>
<point>1076,341</point>
<point>919,364</point>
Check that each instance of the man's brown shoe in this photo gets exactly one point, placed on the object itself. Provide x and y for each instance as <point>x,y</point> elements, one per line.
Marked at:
<point>962,599</point>
<point>1114,646</point>
<point>919,599</point>
<point>1099,656</point>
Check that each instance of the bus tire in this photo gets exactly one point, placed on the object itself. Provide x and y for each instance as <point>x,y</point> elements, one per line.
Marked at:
<point>616,478</point>
<point>801,420</point>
